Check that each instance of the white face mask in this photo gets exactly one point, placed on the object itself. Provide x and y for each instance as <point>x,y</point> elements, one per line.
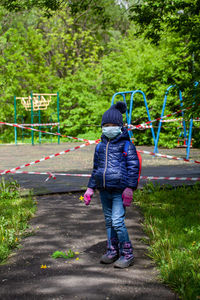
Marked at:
<point>111,131</point>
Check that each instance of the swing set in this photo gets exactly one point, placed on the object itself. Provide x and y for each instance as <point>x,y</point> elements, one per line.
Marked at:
<point>131,94</point>
<point>35,103</point>
<point>187,134</point>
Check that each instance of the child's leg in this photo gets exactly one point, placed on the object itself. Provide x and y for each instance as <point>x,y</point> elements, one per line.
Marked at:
<point>112,253</point>
<point>118,216</point>
<point>106,200</point>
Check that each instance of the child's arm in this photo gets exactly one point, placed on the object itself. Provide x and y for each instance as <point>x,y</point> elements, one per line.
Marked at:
<point>92,182</point>
<point>132,163</point>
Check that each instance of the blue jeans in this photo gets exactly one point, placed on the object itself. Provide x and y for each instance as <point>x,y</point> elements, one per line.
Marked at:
<point>114,213</point>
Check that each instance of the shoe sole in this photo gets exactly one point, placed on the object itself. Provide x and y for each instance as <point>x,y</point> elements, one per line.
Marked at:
<point>108,262</point>
<point>123,266</point>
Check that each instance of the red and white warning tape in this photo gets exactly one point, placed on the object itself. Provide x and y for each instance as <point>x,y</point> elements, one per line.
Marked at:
<point>51,133</point>
<point>169,156</point>
<point>53,175</point>
<point>140,128</point>
<point>38,124</point>
<point>181,119</point>
<point>161,118</point>
<point>170,178</point>
<point>48,157</point>
<point>171,120</point>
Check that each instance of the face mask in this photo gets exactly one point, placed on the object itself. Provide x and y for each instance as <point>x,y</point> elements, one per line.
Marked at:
<point>111,132</point>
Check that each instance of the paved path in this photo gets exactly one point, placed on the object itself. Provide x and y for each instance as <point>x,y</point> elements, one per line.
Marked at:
<point>63,222</point>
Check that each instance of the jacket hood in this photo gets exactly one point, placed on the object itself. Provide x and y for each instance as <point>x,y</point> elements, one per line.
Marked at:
<point>123,136</point>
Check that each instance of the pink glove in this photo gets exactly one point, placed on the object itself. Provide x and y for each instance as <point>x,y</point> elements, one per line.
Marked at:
<point>127,196</point>
<point>87,196</point>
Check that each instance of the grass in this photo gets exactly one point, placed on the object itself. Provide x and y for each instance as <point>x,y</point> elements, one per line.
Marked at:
<point>66,255</point>
<point>15,211</point>
<point>172,222</point>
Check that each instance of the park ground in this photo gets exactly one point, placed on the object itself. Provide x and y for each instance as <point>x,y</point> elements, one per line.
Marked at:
<point>63,222</point>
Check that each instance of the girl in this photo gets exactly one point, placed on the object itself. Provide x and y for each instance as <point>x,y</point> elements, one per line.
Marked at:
<point>115,174</point>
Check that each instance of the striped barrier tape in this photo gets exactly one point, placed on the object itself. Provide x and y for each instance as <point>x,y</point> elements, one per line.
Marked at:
<point>139,128</point>
<point>53,175</point>
<point>38,124</point>
<point>37,130</point>
<point>169,156</point>
<point>172,120</point>
<point>175,120</point>
<point>48,157</point>
<point>163,117</point>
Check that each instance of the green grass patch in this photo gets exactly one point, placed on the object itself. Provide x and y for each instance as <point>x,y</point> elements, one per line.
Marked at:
<point>15,211</point>
<point>172,222</point>
<point>60,254</point>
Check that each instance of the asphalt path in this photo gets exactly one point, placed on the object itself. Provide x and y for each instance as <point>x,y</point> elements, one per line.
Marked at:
<point>63,222</point>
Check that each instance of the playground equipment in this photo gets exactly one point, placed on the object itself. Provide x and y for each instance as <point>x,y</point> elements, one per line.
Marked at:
<point>129,115</point>
<point>187,134</point>
<point>35,103</point>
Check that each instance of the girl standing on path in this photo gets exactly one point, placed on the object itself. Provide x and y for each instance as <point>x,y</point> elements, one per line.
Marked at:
<point>115,175</point>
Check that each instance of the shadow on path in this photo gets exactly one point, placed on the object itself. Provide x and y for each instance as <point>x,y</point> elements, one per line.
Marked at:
<point>63,222</point>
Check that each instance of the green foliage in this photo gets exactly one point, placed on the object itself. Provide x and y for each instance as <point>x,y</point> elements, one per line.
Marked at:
<point>181,18</point>
<point>87,60</point>
<point>15,211</point>
<point>172,218</point>
<point>132,63</point>
<point>60,254</point>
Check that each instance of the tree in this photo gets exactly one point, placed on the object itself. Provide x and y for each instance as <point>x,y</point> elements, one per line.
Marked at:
<point>157,18</point>
<point>18,5</point>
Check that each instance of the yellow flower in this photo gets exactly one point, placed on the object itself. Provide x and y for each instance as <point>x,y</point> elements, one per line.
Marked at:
<point>81,198</point>
<point>76,253</point>
<point>43,266</point>
<point>3,238</point>
<point>16,239</point>
<point>77,258</point>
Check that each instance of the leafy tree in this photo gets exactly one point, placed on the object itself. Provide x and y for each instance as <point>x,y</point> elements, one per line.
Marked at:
<point>158,18</point>
<point>18,5</point>
<point>133,63</point>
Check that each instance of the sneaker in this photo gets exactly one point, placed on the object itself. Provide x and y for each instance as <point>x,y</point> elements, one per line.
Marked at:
<point>112,253</point>
<point>126,258</point>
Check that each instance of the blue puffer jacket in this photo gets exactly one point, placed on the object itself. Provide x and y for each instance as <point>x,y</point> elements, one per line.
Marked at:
<point>112,170</point>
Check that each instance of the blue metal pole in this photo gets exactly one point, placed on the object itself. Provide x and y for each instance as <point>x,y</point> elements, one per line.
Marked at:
<point>182,113</point>
<point>32,132</point>
<point>162,114</point>
<point>147,109</point>
<point>131,108</point>
<point>15,128</point>
<point>130,114</point>
<point>189,139</point>
<point>58,116</point>
<point>123,94</point>
<point>39,119</point>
